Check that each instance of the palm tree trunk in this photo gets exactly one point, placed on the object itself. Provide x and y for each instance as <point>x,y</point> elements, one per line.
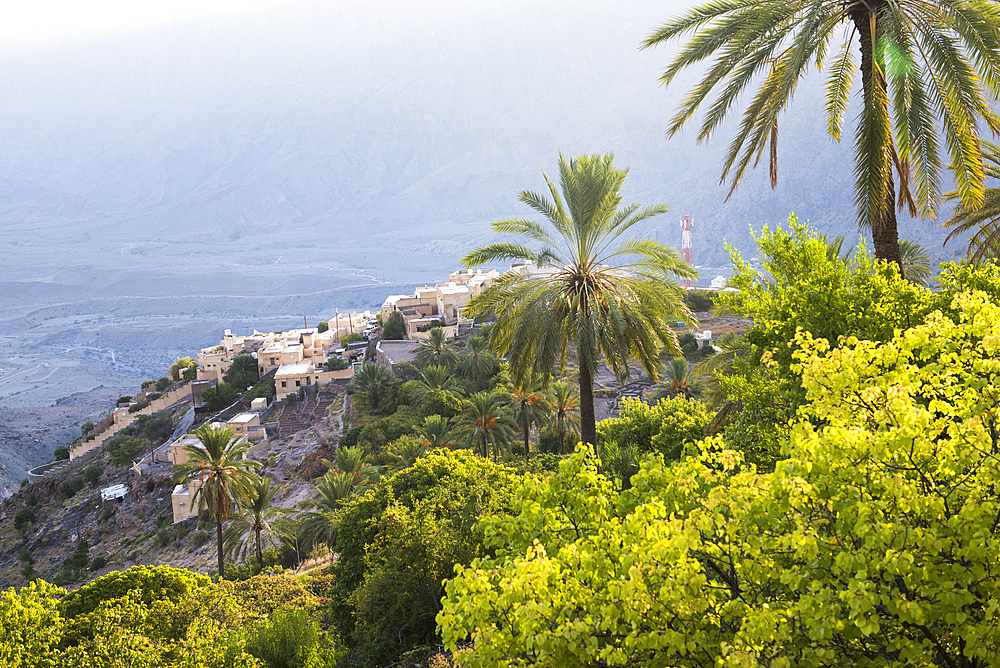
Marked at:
<point>588,423</point>
<point>885,235</point>
<point>260,558</point>
<point>527,446</point>
<point>218,540</point>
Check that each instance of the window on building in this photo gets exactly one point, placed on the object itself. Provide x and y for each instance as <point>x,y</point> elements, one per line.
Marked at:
<point>284,384</point>
<point>298,383</point>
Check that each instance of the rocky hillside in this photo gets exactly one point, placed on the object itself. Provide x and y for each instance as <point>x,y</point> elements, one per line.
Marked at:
<point>44,524</point>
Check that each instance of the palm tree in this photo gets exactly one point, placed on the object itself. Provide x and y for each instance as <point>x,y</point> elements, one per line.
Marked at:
<point>255,519</point>
<point>374,382</point>
<point>565,412</point>
<point>530,406</point>
<point>675,380</point>
<point>320,525</point>
<point>434,432</point>
<point>478,360</point>
<point>405,452</point>
<point>221,470</point>
<point>436,350</point>
<point>486,421</point>
<point>242,372</point>
<point>351,461</point>
<point>584,286</point>
<point>984,219</point>
<point>916,262</point>
<point>435,378</point>
<point>922,64</point>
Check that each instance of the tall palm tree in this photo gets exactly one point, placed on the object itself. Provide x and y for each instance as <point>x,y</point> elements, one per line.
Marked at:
<point>984,244</point>
<point>436,350</point>
<point>478,360</point>
<point>219,465</point>
<point>254,521</point>
<point>242,372</point>
<point>487,422</point>
<point>530,407</point>
<point>923,65</point>
<point>586,287</point>
<point>373,381</point>
<point>565,415</point>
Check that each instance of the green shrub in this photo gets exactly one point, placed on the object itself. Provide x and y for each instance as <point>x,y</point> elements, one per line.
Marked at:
<point>395,327</point>
<point>162,384</point>
<point>199,538</point>
<point>440,402</point>
<point>125,398</point>
<point>123,448</point>
<point>156,427</point>
<point>139,405</point>
<point>79,559</point>
<point>287,639</point>
<point>93,473</point>
<point>322,327</point>
<point>69,488</point>
<point>98,562</point>
<point>24,517</point>
<point>406,371</point>
<point>688,344</point>
<point>431,325</point>
<point>220,396</point>
<point>86,427</point>
<point>699,300</point>
<point>353,337</point>
<point>398,542</point>
<point>336,364</point>
<point>61,453</point>
<point>162,538</point>
<point>665,428</point>
<point>153,583</point>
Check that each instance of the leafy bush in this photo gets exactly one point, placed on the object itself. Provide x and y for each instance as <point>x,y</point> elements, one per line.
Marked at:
<point>153,583</point>
<point>440,402</point>
<point>124,399</point>
<point>699,300</point>
<point>353,337</point>
<point>322,327</point>
<point>86,427</point>
<point>80,557</point>
<point>139,405</point>
<point>395,327</point>
<point>220,396</point>
<point>665,428</point>
<point>287,639</point>
<point>123,448</point>
<point>688,344</point>
<point>398,542</point>
<point>199,538</point>
<point>180,367</point>
<point>24,517</point>
<point>156,427</point>
<point>61,453</point>
<point>69,488</point>
<point>162,384</point>
<point>406,371</point>
<point>336,364</point>
<point>431,325</point>
<point>93,473</point>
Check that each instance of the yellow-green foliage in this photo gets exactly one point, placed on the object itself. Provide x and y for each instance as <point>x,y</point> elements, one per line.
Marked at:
<point>874,542</point>
<point>157,617</point>
<point>666,427</point>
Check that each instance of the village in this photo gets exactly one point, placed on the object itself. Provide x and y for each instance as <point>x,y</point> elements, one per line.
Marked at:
<point>304,364</point>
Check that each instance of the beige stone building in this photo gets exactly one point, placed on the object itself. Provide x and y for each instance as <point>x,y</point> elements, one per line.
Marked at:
<point>445,301</point>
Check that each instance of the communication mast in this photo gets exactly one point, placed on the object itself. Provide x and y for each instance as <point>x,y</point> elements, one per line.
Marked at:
<point>686,244</point>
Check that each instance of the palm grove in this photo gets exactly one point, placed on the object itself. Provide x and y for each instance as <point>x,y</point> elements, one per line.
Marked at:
<point>820,491</point>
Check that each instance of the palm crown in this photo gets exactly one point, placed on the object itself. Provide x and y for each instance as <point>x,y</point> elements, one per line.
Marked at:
<point>605,295</point>
<point>925,68</point>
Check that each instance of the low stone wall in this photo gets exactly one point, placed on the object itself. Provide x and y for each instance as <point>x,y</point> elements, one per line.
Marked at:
<point>166,400</point>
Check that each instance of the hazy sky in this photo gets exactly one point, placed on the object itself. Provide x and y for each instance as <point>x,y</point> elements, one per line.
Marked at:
<point>46,21</point>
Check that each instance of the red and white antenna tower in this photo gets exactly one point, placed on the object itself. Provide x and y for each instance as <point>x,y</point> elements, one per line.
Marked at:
<point>686,243</point>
